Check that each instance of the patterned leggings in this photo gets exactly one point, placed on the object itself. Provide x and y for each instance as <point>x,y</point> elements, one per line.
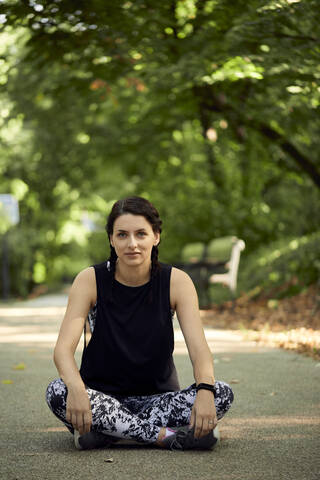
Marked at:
<point>138,418</point>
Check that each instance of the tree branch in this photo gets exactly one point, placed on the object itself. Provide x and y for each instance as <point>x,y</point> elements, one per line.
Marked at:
<point>220,105</point>
<point>205,124</point>
<point>303,162</point>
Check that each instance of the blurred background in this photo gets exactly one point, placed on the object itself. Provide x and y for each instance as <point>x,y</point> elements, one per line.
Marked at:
<point>210,109</point>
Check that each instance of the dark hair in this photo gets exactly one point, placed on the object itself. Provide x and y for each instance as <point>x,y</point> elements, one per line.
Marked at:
<point>135,206</point>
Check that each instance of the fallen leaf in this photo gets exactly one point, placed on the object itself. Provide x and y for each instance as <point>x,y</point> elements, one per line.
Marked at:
<point>7,382</point>
<point>234,380</point>
<point>294,324</point>
<point>273,393</point>
<point>19,366</point>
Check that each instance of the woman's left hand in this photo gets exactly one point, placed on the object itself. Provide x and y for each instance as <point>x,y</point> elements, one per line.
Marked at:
<point>203,415</point>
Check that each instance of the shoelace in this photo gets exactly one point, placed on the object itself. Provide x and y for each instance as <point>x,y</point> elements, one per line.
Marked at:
<point>178,441</point>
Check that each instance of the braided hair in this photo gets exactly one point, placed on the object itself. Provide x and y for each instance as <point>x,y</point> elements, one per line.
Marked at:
<point>135,206</point>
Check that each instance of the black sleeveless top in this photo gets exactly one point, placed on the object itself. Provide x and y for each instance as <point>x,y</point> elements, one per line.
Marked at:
<point>130,351</point>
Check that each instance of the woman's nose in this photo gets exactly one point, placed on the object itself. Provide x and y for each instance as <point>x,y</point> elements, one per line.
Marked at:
<point>132,241</point>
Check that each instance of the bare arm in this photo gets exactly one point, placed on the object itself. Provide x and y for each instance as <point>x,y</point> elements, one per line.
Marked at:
<point>185,301</point>
<point>82,296</point>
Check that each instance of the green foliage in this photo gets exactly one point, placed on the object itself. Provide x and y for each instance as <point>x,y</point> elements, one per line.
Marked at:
<point>282,268</point>
<point>218,294</point>
<point>209,109</point>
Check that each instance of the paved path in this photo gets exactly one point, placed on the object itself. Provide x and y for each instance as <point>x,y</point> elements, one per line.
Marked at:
<point>271,432</point>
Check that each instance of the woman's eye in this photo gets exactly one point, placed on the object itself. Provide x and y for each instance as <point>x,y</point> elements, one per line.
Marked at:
<point>123,234</point>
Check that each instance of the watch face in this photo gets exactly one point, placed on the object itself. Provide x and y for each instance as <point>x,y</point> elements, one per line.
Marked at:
<point>205,386</point>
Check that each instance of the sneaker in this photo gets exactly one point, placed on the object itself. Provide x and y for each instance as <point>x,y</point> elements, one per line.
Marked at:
<point>92,440</point>
<point>183,439</point>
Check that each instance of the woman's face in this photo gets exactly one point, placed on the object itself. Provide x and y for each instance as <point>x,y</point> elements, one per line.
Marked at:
<point>133,239</point>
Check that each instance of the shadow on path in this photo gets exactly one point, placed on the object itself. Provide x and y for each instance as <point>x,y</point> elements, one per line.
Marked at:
<point>271,432</point>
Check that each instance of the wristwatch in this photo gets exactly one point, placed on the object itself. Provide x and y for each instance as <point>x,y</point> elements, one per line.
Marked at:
<point>205,386</point>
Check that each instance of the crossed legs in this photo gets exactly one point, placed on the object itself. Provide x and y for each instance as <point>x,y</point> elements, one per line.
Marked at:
<point>138,418</point>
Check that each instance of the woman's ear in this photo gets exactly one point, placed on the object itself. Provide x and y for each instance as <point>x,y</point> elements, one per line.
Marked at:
<point>157,239</point>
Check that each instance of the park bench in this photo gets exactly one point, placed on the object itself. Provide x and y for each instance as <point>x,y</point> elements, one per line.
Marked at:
<point>215,262</point>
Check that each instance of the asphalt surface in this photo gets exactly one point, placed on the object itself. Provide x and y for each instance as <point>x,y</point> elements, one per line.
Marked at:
<point>271,432</point>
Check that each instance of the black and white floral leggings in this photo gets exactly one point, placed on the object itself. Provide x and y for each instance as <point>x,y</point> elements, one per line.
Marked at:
<point>138,418</point>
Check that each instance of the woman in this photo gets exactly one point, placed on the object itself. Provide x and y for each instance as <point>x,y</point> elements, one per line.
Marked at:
<point>127,387</point>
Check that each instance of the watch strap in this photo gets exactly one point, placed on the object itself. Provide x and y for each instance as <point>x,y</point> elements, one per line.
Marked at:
<point>205,386</point>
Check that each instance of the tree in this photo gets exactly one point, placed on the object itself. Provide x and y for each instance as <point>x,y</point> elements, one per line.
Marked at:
<point>209,103</point>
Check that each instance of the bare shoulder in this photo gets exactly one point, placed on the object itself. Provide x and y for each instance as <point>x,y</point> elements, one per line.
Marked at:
<point>82,296</point>
<point>181,287</point>
<point>179,277</point>
<point>84,285</point>
<point>86,275</point>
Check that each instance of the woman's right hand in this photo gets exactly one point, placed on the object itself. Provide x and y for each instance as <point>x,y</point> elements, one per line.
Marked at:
<point>82,296</point>
<point>79,410</point>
